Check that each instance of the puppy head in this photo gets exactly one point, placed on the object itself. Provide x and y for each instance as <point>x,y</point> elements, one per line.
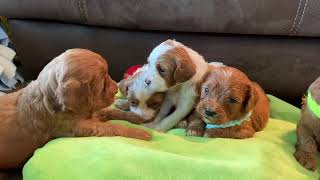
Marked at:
<point>226,94</point>
<point>146,106</point>
<point>78,81</point>
<point>168,64</point>
<point>125,84</point>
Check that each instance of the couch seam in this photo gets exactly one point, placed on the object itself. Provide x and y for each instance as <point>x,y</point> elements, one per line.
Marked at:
<point>297,14</point>
<point>301,19</point>
<point>82,11</point>
<point>85,10</point>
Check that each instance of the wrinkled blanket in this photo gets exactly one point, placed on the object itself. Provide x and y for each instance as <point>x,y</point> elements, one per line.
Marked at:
<point>174,156</point>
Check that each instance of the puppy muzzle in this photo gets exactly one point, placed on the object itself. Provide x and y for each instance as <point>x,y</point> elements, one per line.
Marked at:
<point>211,112</point>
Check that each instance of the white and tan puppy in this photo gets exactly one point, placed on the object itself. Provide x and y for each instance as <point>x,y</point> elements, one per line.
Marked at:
<point>124,106</point>
<point>175,69</point>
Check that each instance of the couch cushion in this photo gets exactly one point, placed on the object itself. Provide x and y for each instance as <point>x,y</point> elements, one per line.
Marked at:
<point>268,17</point>
<point>283,66</point>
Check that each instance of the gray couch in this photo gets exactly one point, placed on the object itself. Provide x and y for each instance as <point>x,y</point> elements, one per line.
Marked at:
<point>276,42</point>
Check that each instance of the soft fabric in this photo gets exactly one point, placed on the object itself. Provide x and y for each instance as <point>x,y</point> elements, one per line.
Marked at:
<point>131,70</point>
<point>174,156</point>
<point>6,52</point>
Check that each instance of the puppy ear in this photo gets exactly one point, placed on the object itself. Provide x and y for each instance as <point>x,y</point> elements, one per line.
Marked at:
<point>176,66</point>
<point>251,98</point>
<point>185,69</point>
<point>75,96</point>
<point>123,87</point>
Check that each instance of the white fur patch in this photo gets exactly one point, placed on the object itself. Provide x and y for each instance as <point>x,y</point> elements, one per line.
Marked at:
<point>150,72</point>
<point>227,74</point>
<point>143,111</point>
<point>216,64</point>
<point>157,52</point>
<point>182,95</point>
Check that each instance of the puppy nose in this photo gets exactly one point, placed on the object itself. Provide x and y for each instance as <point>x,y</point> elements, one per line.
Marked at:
<point>147,82</point>
<point>210,113</point>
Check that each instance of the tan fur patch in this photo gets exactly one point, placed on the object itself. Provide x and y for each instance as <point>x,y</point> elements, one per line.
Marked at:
<point>176,66</point>
<point>155,101</point>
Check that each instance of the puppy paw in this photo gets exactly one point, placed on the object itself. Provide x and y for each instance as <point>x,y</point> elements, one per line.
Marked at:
<point>182,124</point>
<point>209,133</point>
<point>139,134</point>
<point>122,104</point>
<point>103,114</point>
<point>306,159</point>
<point>150,125</point>
<point>195,131</point>
<point>154,126</point>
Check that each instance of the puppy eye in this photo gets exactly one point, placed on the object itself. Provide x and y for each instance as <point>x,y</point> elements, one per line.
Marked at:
<point>154,105</point>
<point>232,101</point>
<point>206,91</point>
<point>161,69</point>
<point>134,103</point>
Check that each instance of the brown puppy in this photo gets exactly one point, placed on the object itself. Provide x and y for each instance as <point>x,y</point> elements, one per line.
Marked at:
<point>125,105</point>
<point>230,106</point>
<point>58,104</point>
<point>308,129</point>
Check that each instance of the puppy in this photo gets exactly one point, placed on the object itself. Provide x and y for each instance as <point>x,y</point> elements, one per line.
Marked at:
<point>131,109</point>
<point>230,106</point>
<point>58,104</point>
<point>175,69</point>
<point>308,129</point>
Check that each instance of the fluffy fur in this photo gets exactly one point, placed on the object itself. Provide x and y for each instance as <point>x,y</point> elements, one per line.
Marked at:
<point>308,131</point>
<point>175,69</point>
<point>58,104</point>
<point>226,94</point>
<point>131,109</point>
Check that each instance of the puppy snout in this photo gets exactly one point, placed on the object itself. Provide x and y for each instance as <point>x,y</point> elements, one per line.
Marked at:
<point>147,82</point>
<point>209,112</point>
<point>113,88</point>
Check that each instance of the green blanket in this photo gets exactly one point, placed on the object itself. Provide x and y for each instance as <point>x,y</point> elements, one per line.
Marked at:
<point>174,156</point>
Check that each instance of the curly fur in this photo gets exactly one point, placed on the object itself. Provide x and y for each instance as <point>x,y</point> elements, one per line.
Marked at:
<point>229,95</point>
<point>58,104</point>
<point>308,131</point>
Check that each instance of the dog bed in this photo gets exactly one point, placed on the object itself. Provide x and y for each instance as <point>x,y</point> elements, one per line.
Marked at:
<point>174,156</point>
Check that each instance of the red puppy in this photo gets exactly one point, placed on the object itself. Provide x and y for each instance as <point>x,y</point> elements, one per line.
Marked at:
<point>230,106</point>
<point>58,104</point>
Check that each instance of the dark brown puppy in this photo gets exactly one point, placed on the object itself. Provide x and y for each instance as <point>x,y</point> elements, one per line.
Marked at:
<point>230,106</point>
<point>308,129</point>
<point>124,105</point>
<point>58,104</point>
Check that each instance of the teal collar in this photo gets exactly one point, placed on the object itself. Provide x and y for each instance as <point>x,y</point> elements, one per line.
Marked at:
<point>313,105</point>
<point>230,123</point>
